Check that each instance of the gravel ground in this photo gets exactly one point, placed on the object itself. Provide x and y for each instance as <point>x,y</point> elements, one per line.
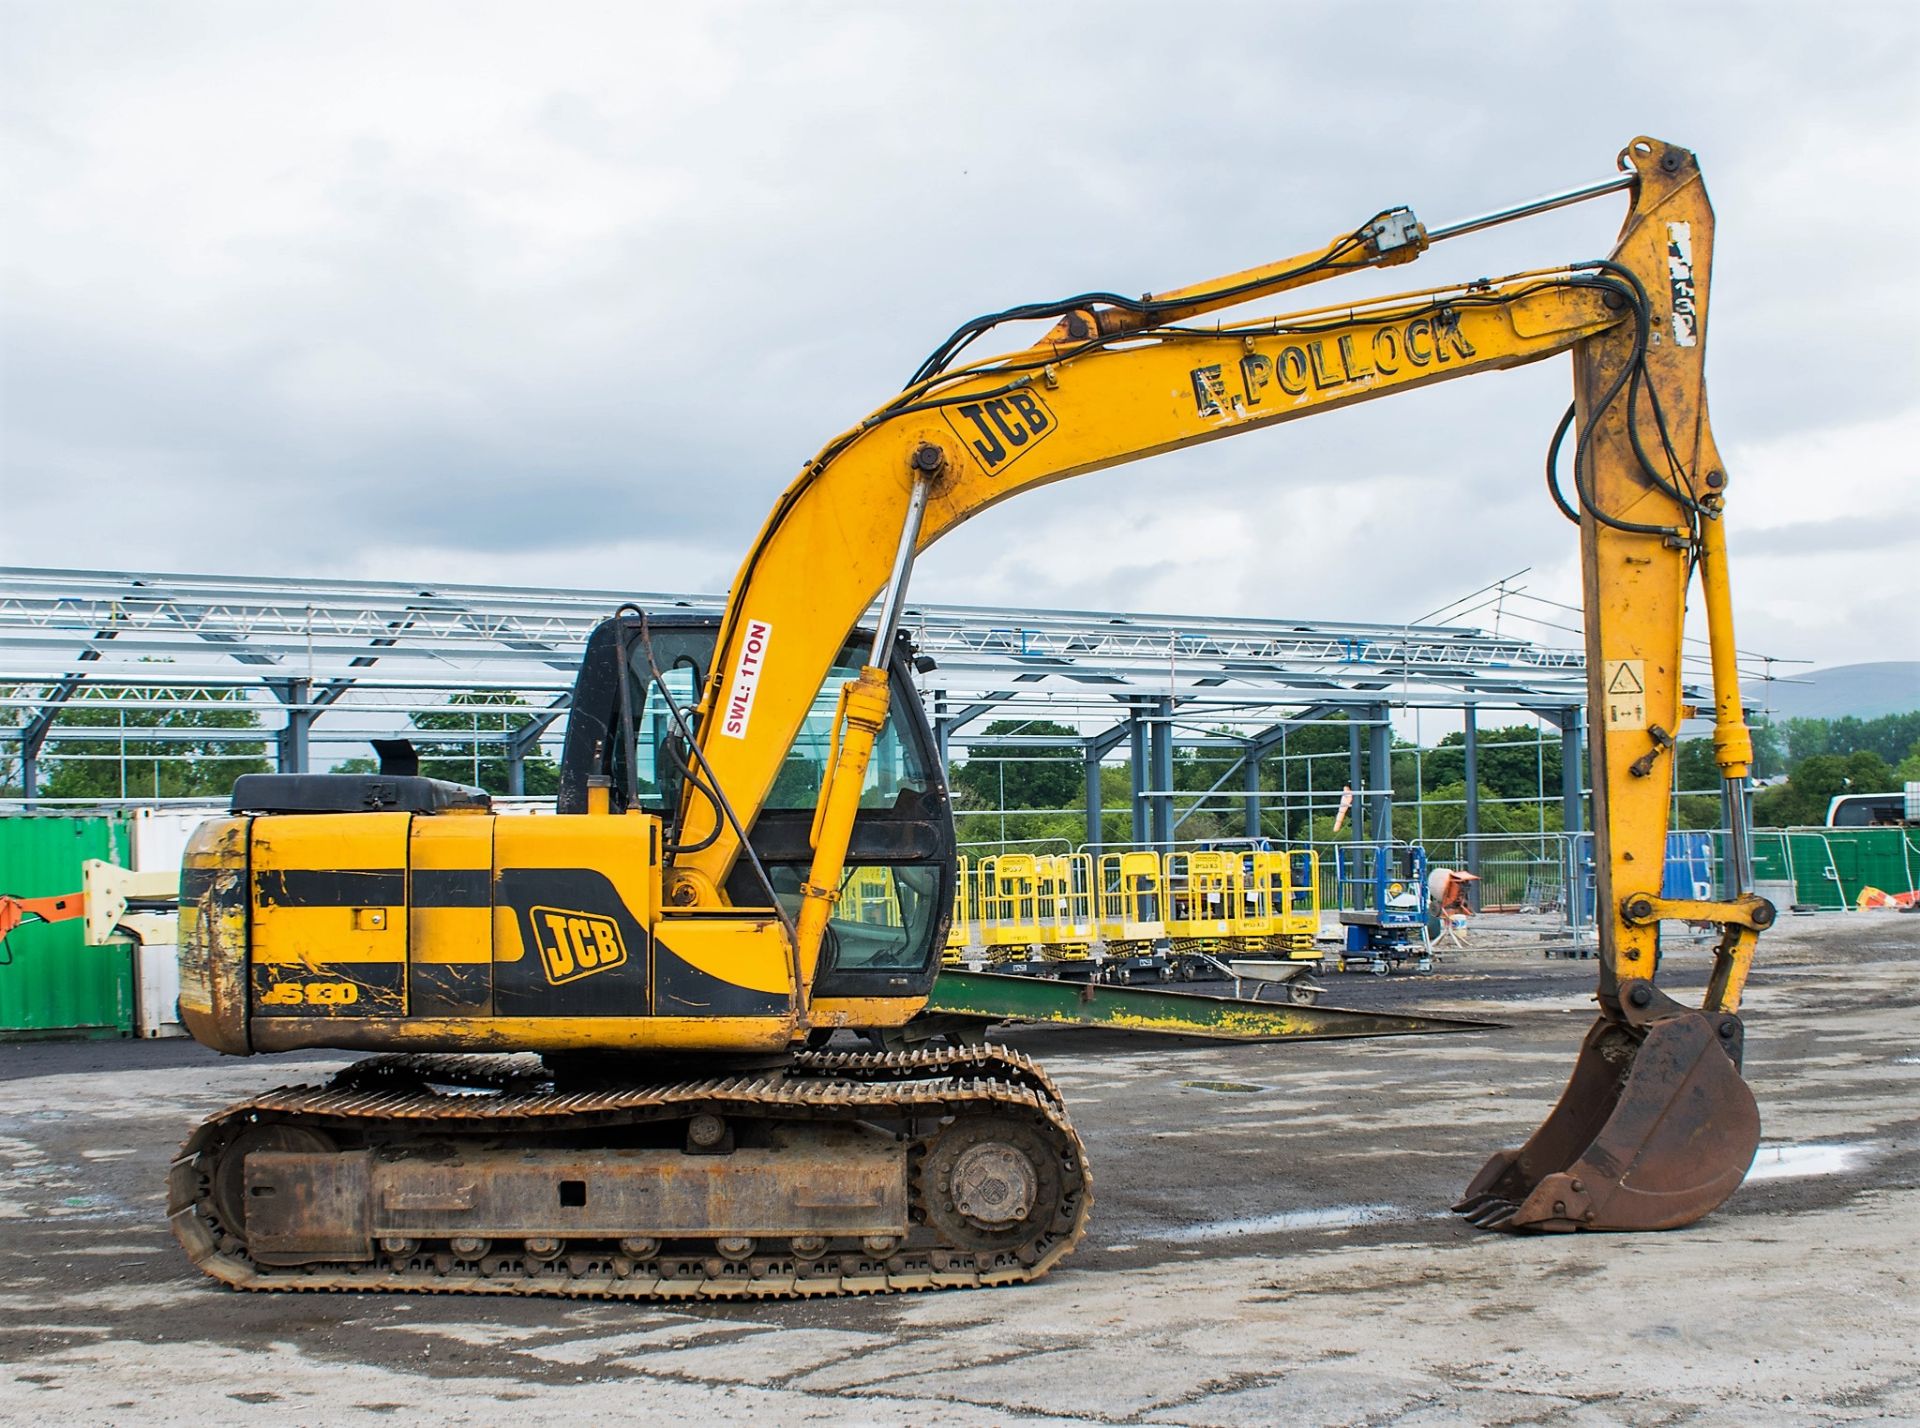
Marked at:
<point>1270,1244</point>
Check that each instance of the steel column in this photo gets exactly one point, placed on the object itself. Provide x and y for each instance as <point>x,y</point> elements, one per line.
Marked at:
<point>1572,761</point>
<point>1380,776</point>
<point>1091,752</point>
<point>291,741</point>
<point>1472,771</point>
<point>1137,769</point>
<point>524,740</point>
<point>32,739</point>
<point>1355,782</point>
<point>1162,800</point>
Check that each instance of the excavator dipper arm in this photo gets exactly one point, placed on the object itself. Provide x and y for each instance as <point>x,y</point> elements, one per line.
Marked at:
<point>1656,1126</point>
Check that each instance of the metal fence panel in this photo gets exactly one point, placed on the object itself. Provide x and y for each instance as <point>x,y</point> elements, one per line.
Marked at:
<point>1828,868</point>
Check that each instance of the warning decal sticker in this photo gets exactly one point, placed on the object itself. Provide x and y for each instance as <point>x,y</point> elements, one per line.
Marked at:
<point>1626,693</point>
<point>746,679</point>
<point>1686,310</point>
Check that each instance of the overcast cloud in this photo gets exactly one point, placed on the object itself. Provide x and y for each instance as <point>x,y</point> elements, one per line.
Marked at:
<point>564,293</point>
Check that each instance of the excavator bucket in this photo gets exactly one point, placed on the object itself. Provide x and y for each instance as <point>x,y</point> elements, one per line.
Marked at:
<point>1655,1129</point>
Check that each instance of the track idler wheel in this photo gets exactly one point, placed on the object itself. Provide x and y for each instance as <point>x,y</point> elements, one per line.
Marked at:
<point>1655,1128</point>
<point>993,1185</point>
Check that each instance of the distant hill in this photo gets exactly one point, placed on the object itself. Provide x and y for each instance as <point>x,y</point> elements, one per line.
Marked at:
<point>1865,691</point>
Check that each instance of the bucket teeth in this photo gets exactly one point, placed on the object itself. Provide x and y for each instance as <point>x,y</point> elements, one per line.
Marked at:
<point>1487,1212</point>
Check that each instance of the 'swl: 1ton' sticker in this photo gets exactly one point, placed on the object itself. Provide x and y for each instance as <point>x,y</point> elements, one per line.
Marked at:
<point>746,679</point>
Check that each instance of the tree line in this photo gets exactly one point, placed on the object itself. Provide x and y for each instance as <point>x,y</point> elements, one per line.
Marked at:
<point>1824,758</point>
<point>1037,791</point>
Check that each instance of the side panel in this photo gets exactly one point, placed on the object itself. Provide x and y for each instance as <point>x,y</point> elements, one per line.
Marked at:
<point>450,917</point>
<point>465,932</point>
<point>573,903</point>
<point>329,904</point>
<point>735,964</point>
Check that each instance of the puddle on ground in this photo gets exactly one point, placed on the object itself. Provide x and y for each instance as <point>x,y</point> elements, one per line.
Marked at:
<point>1225,1088</point>
<point>1331,1217</point>
<point>1789,1162</point>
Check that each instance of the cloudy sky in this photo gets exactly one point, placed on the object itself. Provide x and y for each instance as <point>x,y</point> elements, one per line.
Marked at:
<point>564,293</point>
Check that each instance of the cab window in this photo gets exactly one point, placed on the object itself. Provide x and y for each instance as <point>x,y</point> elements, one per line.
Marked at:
<point>896,766</point>
<point>883,921</point>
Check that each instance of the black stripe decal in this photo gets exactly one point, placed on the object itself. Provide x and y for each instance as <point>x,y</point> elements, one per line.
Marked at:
<point>682,989</point>
<point>450,989</point>
<point>452,887</point>
<point>522,988</point>
<point>330,887</point>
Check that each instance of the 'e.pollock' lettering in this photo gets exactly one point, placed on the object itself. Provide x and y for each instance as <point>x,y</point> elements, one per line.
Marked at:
<point>1321,364</point>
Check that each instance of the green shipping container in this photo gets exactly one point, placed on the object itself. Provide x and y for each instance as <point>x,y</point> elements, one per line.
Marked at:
<point>51,983</point>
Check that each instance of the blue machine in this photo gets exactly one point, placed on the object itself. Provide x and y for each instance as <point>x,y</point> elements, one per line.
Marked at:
<point>1382,891</point>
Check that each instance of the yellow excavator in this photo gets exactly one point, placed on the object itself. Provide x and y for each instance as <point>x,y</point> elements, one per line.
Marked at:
<point>602,1063</point>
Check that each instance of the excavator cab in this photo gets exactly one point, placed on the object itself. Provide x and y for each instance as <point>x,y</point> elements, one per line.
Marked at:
<point>902,856</point>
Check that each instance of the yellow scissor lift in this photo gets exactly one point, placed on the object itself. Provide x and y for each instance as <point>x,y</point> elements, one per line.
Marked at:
<point>1036,911</point>
<point>1133,920</point>
<point>1239,903</point>
<point>1124,916</point>
<point>960,930</point>
<point>1274,917</point>
<point>867,896</point>
<point>1259,901</point>
<point>1202,889</point>
<point>1297,904</point>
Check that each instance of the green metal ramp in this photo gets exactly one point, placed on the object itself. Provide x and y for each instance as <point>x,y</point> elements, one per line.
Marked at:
<point>994,996</point>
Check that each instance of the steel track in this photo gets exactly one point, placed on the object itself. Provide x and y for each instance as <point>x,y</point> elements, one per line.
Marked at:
<point>391,1101</point>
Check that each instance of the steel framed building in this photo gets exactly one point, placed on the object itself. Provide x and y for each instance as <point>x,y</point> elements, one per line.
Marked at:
<point>334,663</point>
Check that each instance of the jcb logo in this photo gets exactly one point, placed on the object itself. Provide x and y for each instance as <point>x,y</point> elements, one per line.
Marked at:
<point>575,944</point>
<point>1001,430</point>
